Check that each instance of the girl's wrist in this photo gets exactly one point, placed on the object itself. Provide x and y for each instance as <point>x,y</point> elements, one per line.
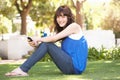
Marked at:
<point>39,40</point>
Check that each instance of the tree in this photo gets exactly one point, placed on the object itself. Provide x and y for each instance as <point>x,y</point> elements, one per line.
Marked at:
<point>7,12</point>
<point>23,8</point>
<point>112,19</point>
<point>44,10</point>
<point>7,9</point>
<point>116,18</point>
<point>116,15</point>
<point>78,6</point>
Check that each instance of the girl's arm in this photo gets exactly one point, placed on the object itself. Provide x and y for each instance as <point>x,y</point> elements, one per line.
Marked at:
<point>71,29</point>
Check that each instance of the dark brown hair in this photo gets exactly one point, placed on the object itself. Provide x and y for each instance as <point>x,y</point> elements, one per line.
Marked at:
<point>65,10</point>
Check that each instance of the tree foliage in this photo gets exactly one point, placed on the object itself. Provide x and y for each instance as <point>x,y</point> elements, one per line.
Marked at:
<point>102,15</point>
<point>7,9</point>
<point>116,15</point>
<point>111,16</point>
<point>93,14</point>
<point>7,12</point>
<point>42,12</point>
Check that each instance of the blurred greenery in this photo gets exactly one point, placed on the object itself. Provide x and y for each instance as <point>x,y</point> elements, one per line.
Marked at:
<point>103,14</point>
<point>93,54</point>
<point>104,54</point>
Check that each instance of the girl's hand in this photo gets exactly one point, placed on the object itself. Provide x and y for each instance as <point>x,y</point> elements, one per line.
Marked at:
<point>33,43</point>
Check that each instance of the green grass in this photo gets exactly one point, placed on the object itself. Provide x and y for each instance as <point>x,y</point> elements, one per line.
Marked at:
<point>96,70</point>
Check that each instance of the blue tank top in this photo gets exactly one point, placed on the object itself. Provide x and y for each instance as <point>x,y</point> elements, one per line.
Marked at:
<point>78,51</point>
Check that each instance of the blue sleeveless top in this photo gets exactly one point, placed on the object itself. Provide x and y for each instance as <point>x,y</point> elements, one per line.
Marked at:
<point>78,51</point>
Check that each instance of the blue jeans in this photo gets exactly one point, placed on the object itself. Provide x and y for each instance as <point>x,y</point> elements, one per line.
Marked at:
<point>59,57</point>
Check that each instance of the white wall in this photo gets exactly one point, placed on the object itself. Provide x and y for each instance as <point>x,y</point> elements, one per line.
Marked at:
<point>98,38</point>
<point>3,49</point>
<point>15,47</point>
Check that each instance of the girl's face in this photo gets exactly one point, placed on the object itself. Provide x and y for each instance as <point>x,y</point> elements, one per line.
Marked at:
<point>62,20</point>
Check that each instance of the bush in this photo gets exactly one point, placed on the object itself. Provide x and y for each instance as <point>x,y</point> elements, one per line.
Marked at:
<point>93,54</point>
<point>47,58</point>
<point>105,54</point>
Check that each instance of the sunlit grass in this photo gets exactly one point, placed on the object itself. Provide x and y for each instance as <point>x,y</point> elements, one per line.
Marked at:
<point>96,70</point>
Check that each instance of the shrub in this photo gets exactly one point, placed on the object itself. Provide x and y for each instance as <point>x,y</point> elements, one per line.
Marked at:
<point>93,54</point>
<point>105,54</point>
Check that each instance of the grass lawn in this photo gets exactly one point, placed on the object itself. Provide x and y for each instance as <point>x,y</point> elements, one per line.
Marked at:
<point>96,70</point>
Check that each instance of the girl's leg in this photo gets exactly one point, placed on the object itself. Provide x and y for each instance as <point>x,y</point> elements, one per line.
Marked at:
<point>61,59</point>
<point>35,57</point>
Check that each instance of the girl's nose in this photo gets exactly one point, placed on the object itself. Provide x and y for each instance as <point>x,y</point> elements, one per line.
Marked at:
<point>60,18</point>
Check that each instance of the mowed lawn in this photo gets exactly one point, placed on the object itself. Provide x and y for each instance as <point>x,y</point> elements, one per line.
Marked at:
<point>96,70</point>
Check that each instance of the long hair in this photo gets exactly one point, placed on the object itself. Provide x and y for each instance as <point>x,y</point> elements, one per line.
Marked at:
<point>65,10</point>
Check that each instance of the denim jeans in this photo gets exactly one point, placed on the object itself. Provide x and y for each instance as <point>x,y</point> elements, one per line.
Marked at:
<point>59,57</point>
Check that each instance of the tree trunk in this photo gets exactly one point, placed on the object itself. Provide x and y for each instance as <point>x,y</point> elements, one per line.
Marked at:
<point>79,18</point>
<point>78,6</point>
<point>23,23</point>
<point>23,11</point>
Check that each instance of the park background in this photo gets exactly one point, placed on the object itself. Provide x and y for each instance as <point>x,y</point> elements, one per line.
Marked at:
<point>99,19</point>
